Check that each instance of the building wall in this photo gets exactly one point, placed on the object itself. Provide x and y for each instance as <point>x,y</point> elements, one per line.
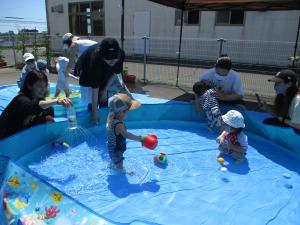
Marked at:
<point>265,37</point>
<point>268,26</point>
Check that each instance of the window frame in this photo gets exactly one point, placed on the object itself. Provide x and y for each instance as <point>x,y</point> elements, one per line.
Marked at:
<point>229,24</point>
<point>186,17</point>
<point>78,14</point>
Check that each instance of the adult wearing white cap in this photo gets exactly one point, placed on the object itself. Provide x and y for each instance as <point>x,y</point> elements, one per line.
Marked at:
<point>30,65</point>
<point>73,48</point>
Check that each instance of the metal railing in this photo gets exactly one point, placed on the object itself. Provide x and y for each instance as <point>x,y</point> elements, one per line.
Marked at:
<point>255,60</point>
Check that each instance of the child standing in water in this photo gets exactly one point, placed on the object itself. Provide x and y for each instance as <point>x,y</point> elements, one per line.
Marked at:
<point>206,99</point>
<point>62,79</point>
<point>119,105</point>
<point>233,141</point>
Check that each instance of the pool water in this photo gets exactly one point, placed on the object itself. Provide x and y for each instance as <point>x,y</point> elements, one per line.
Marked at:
<point>264,189</point>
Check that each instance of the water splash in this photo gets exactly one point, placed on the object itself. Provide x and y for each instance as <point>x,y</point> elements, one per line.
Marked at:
<point>75,134</point>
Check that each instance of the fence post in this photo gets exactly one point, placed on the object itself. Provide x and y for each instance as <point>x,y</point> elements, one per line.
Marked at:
<point>145,57</point>
<point>296,44</point>
<point>34,45</point>
<point>179,47</point>
<point>47,43</point>
<point>221,40</point>
<point>12,40</point>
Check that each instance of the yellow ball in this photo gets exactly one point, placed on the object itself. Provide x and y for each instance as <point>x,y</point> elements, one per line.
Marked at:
<point>220,160</point>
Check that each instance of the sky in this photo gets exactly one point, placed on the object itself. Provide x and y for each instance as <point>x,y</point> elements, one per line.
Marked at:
<point>32,12</point>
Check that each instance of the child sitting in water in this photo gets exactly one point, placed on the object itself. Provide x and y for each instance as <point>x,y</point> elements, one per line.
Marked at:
<point>205,98</point>
<point>62,79</point>
<point>233,141</point>
<point>119,105</point>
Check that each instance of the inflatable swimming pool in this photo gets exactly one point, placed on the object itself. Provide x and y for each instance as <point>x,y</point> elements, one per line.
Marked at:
<point>43,185</point>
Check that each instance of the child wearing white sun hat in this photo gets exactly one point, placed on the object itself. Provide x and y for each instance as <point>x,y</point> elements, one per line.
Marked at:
<point>233,141</point>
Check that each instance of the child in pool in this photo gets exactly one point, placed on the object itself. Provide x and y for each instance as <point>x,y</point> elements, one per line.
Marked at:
<point>30,65</point>
<point>42,66</point>
<point>62,79</point>
<point>119,105</point>
<point>205,98</point>
<point>233,141</point>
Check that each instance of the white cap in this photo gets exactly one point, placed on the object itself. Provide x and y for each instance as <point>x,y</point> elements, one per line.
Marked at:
<point>27,56</point>
<point>234,119</point>
<point>69,36</point>
<point>121,102</point>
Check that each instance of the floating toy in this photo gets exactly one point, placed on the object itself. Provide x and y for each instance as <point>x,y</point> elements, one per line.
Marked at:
<point>162,158</point>
<point>220,160</point>
<point>75,92</point>
<point>223,169</point>
<point>150,141</point>
<point>286,175</point>
<point>60,145</point>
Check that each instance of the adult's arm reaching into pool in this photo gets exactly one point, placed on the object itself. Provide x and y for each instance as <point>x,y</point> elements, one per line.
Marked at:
<point>60,101</point>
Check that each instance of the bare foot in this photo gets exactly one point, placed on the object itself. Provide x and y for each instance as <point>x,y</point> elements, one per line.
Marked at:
<point>128,171</point>
<point>122,169</point>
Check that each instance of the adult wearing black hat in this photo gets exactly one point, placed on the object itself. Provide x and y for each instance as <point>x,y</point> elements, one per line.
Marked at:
<point>286,90</point>
<point>96,67</point>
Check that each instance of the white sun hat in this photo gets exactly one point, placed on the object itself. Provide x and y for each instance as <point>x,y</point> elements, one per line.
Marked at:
<point>27,56</point>
<point>234,119</point>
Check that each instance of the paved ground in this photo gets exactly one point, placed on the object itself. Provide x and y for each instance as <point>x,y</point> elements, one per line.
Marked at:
<point>253,83</point>
<point>10,75</point>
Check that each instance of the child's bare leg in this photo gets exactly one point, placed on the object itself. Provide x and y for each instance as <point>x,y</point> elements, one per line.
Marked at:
<point>57,92</point>
<point>238,156</point>
<point>67,92</point>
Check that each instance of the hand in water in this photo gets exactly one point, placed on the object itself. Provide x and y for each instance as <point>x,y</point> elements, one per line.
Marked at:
<point>64,102</point>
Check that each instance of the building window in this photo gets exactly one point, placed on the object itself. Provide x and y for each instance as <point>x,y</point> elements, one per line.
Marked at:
<point>87,18</point>
<point>191,17</point>
<point>230,18</point>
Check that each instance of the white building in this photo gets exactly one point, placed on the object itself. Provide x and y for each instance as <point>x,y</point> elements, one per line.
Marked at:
<point>252,37</point>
